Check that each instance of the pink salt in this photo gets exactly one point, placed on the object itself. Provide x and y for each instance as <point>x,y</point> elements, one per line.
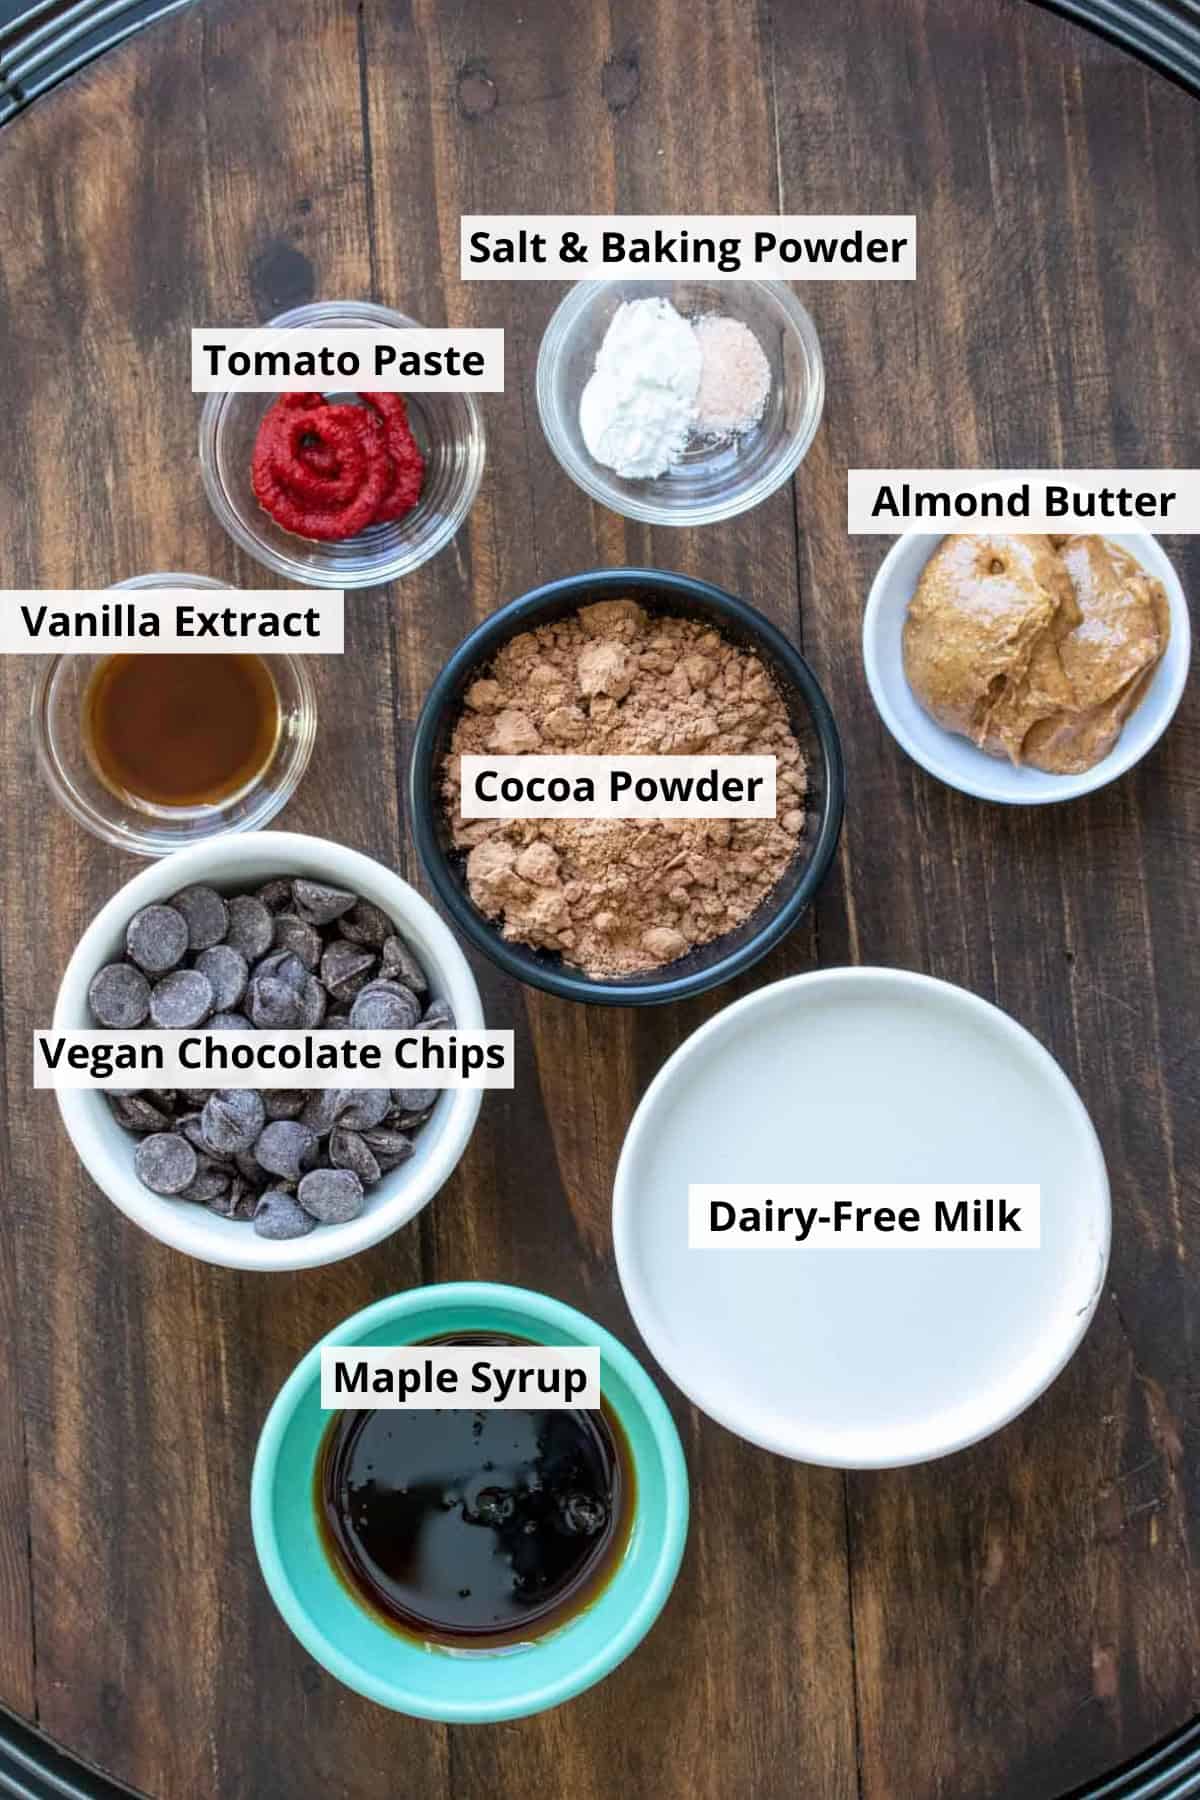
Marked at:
<point>735,377</point>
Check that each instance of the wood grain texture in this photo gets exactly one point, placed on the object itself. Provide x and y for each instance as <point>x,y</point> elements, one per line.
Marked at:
<point>1031,1600</point>
<point>1006,1623</point>
<point>17,1649</point>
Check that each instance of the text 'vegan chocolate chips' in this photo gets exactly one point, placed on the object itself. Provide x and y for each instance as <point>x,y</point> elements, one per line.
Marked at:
<point>285,1159</point>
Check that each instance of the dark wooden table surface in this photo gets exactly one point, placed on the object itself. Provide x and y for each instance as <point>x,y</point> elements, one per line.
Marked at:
<point>1006,1623</point>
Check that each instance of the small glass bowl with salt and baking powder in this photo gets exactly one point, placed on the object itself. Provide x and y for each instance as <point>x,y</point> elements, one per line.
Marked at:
<point>677,409</point>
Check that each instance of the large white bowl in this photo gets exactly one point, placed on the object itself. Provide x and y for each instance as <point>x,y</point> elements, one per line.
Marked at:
<point>242,862</point>
<point>954,759</point>
<point>861,1357</point>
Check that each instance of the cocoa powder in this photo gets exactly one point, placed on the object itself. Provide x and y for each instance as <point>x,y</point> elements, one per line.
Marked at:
<point>622,896</point>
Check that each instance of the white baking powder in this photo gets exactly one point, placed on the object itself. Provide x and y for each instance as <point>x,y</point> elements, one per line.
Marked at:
<point>637,410</point>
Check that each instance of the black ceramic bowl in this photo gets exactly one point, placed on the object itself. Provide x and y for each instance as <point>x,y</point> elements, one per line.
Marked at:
<point>811,720</point>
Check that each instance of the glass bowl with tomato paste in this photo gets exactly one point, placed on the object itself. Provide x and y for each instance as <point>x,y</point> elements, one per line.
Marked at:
<point>268,482</point>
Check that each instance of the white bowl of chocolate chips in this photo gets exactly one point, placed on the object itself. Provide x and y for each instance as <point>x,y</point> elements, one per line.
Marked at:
<point>278,930</point>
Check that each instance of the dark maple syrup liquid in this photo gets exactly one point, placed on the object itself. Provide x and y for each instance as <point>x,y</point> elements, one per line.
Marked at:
<point>474,1527</point>
<point>180,730</point>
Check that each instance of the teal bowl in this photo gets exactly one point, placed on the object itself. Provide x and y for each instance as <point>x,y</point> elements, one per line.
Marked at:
<point>430,1681</point>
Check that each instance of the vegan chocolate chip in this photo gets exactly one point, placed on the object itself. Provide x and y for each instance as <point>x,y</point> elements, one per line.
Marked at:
<point>250,1169</point>
<point>283,1148</point>
<point>385,1006</point>
<point>236,1201</point>
<point>209,1184</point>
<point>228,1021</point>
<point>119,997</point>
<point>157,939</point>
<point>297,954</point>
<point>303,940</point>
<point>228,972</point>
<point>414,1100</point>
<point>284,1103</point>
<point>191,1126</point>
<point>389,1148</point>
<point>280,1215</point>
<point>282,965</point>
<point>365,924</point>
<point>345,967</point>
<point>232,1120</point>
<point>349,1150</point>
<point>165,1163</point>
<point>272,1005</point>
<point>251,927</point>
<point>364,1108</point>
<point>182,999</point>
<point>276,894</point>
<point>397,962</point>
<point>137,1113</point>
<point>205,914</point>
<point>321,1110</point>
<point>319,904</point>
<point>332,1196</point>
<point>313,1001</point>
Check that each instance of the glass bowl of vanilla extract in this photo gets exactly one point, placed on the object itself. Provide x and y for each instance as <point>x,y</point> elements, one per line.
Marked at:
<point>153,752</point>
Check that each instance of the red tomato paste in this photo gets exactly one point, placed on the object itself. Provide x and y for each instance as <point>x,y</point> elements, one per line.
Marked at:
<point>328,469</point>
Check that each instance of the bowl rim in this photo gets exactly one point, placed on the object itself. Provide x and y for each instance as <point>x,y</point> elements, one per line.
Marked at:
<point>176,1225</point>
<point>1110,768</point>
<point>478,647</point>
<point>586,474</point>
<point>549,1312</point>
<point>909,982</point>
<point>383,569</point>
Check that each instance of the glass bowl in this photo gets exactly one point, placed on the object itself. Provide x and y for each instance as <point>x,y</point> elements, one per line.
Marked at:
<point>144,829</point>
<point>709,964</point>
<point>715,480</point>
<point>448,428</point>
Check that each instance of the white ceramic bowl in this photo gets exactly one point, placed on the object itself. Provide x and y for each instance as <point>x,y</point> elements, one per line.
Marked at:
<point>243,861</point>
<point>952,758</point>
<point>859,1357</point>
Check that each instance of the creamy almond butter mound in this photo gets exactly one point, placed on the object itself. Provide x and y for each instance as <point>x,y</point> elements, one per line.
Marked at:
<point>1034,648</point>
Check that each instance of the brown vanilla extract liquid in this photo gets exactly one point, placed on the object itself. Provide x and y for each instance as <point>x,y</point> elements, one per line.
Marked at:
<point>180,730</point>
<point>475,1528</point>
